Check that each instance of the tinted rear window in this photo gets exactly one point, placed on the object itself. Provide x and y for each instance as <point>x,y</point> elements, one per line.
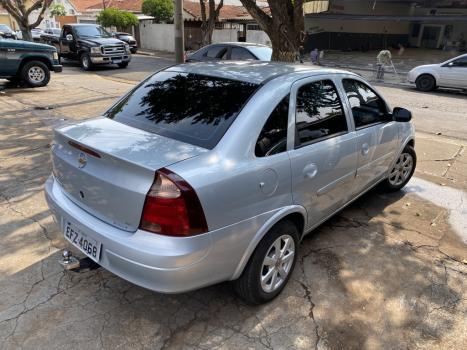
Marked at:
<point>191,108</point>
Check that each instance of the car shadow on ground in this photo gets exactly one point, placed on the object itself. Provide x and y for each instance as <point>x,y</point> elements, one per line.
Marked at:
<point>443,92</point>
<point>354,286</point>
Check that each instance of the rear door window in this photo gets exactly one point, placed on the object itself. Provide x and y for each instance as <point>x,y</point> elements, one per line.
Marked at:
<point>239,53</point>
<point>191,108</point>
<point>319,114</point>
<point>215,51</point>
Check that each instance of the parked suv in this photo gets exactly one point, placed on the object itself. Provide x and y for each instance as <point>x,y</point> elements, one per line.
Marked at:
<point>28,62</point>
<point>127,38</point>
<point>90,44</point>
<point>208,173</point>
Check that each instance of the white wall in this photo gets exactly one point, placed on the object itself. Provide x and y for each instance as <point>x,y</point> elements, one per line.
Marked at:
<point>156,36</point>
<point>223,35</point>
<point>258,37</point>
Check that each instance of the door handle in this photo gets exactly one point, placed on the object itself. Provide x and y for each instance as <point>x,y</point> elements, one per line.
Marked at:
<point>310,171</point>
<point>365,149</point>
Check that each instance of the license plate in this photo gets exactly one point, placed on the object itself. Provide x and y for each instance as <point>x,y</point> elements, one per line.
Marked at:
<point>117,61</point>
<point>83,241</point>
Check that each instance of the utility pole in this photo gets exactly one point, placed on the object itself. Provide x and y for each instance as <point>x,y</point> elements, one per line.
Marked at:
<point>179,32</point>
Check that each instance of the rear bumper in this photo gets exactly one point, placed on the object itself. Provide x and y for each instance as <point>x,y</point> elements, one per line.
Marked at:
<point>110,59</point>
<point>160,263</point>
<point>57,68</point>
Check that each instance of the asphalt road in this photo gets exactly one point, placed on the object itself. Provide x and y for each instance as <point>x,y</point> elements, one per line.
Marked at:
<point>440,112</point>
<point>428,109</point>
<point>139,68</point>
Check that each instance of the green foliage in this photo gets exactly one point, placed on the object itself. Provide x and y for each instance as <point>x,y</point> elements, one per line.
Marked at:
<point>161,10</point>
<point>117,18</point>
<point>57,10</point>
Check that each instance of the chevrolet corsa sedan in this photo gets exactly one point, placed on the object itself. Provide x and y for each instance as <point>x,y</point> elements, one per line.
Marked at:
<point>211,172</point>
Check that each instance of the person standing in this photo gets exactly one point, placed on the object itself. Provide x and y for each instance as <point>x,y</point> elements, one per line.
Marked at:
<point>314,56</point>
<point>383,59</point>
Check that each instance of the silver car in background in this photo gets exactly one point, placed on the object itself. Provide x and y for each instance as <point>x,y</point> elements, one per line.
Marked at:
<point>211,172</point>
<point>449,74</point>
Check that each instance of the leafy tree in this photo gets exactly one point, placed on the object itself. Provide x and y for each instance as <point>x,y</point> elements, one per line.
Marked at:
<point>57,10</point>
<point>283,23</point>
<point>161,10</point>
<point>208,22</point>
<point>117,18</point>
<point>20,11</point>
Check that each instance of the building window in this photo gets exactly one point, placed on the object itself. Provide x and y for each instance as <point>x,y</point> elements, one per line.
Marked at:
<point>415,30</point>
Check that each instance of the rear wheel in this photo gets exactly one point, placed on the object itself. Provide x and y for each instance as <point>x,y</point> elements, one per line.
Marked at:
<point>402,171</point>
<point>86,63</point>
<point>425,82</point>
<point>270,266</point>
<point>35,74</point>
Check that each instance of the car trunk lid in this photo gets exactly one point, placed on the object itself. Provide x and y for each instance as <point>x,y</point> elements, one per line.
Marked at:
<point>107,168</point>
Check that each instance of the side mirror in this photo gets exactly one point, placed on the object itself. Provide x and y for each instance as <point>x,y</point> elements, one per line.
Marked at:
<point>69,37</point>
<point>401,115</point>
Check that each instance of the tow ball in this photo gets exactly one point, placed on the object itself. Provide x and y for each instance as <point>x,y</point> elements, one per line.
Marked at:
<point>69,262</point>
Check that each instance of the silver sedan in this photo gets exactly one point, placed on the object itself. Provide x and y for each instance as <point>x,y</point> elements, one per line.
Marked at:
<point>210,172</point>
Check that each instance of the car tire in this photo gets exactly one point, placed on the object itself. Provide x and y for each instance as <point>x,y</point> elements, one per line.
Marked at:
<point>264,265</point>
<point>402,171</point>
<point>425,82</point>
<point>123,65</point>
<point>85,61</point>
<point>35,74</point>
<point>133,51</point>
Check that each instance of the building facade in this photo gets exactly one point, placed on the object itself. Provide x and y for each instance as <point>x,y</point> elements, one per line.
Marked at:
<point>375,24</point>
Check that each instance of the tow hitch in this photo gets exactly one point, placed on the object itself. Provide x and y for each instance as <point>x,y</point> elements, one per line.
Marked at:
<point>69,262</point>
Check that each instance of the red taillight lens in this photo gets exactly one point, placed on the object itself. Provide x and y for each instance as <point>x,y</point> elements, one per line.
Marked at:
<point>172,207</point>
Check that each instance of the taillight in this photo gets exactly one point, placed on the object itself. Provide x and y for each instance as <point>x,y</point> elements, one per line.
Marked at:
<point>172,207</point>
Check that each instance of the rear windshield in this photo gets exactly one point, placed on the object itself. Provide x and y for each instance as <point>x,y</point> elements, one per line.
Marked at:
<point>191,108</point>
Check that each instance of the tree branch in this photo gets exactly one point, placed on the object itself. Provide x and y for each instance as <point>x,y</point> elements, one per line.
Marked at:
<point>45,5</point>
<point>202,5</point>
<point>259,15</point>
<point>8,6</point>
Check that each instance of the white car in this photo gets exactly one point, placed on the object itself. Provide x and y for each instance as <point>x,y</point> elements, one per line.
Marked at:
<point>450,74</point>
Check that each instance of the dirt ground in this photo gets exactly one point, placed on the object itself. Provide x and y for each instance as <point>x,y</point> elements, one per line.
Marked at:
<point>388,272</point>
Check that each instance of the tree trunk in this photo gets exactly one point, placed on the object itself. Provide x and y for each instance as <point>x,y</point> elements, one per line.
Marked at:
<point>285,45</point>
<point>284,25</point>
<point>206,33</point>
<point>26,32</point>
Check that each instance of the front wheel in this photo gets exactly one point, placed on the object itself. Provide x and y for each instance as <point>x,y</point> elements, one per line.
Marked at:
<point>86,63</point>
<point>425,82</point>
<point>270,266</point>
<point>123,65</point>
<point>35,74</point>
<point>402,171</point>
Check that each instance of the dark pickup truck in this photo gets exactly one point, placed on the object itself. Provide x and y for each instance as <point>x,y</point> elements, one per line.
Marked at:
<point>28,62</point>
<point>90,44</point>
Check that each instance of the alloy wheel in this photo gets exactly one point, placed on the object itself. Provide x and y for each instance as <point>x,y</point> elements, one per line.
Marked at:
<point>36,74</point>
<point>277,263</point>
<point>402,170</point>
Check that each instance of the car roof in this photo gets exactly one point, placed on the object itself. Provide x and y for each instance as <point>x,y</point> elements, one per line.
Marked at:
<point>239,43</point>
<point>256,72</point>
